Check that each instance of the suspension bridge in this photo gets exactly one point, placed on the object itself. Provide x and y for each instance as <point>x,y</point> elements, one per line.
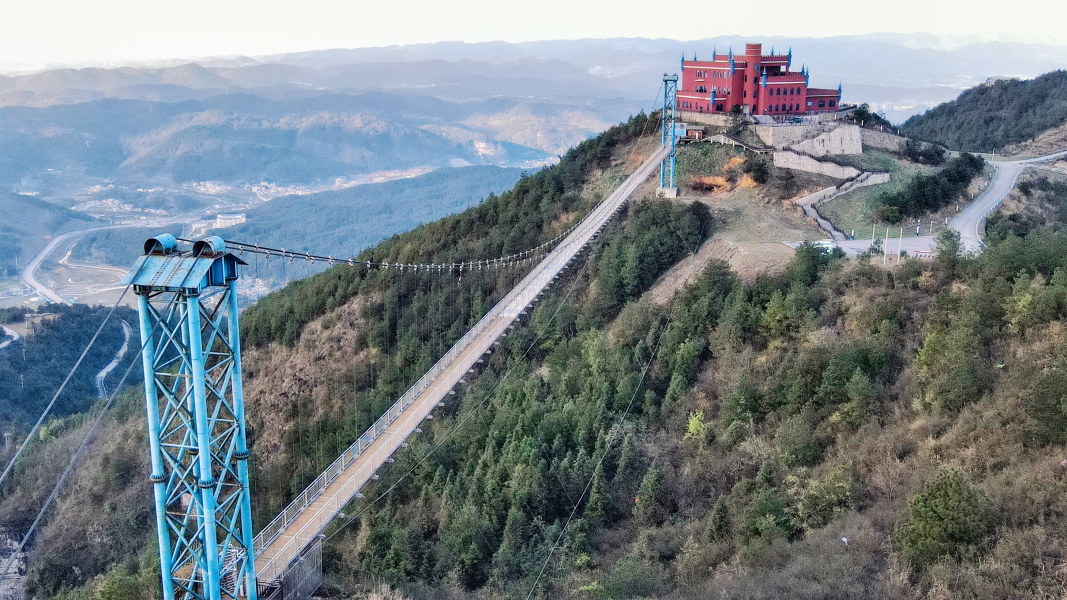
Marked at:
<point>191,359</point>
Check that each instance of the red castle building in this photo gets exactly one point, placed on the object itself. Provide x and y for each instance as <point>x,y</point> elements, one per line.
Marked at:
<point>759,84</point>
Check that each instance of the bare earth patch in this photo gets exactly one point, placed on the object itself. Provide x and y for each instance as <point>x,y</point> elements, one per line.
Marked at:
<point>749,235</point>
<point>1047,142</point>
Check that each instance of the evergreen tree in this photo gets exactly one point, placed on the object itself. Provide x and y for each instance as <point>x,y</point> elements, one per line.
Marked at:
<point>718,527</point>
<point>948,517</point>
<point>598,509</point>
<point>649,507</point>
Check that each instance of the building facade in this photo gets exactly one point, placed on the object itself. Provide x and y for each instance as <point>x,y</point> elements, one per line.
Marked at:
<point>759,84</point>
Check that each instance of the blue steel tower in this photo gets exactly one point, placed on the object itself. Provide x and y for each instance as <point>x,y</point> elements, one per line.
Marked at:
<point>666,167</point>
<point>196,423</point>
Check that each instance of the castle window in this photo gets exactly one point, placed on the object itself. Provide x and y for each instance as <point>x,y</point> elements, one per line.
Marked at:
<point>822,103</point>
<point>833,103</point>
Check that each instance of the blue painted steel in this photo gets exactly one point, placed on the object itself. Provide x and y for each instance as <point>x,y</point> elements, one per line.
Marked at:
<point>205,481</point>
<point>159,488</point>
<point>242,439</point>
<point>670,98</point>
<point>196,422</point>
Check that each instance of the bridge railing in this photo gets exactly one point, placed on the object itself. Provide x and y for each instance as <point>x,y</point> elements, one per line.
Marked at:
<point>510,305</point>
<point>269,533</point>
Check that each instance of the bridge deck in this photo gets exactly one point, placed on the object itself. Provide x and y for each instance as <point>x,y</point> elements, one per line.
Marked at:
<point>293,530</point>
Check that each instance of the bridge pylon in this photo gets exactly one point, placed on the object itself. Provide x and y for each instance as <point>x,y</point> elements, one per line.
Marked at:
<point>196,424</point>
<point>669,136</point>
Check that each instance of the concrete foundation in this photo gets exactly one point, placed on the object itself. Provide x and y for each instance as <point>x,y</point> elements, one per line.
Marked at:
<point>671,192</point>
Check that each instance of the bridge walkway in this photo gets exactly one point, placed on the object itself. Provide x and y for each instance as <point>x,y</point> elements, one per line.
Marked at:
<point>310,513</point>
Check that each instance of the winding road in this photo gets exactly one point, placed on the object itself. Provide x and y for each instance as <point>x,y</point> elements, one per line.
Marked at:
<point>100,389</point>
<point>14,337</point>
<point>970,221</point>
<point>29,272</point>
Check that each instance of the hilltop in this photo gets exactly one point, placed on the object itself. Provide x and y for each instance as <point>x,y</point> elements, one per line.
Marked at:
<point>1005,114</point>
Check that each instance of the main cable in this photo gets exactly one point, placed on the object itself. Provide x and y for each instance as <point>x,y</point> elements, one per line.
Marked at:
<point>626,411</point>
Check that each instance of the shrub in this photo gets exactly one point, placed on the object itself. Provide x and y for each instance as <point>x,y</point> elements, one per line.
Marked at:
<point>819,500</point>
<point>948,518</point>
<point>630,578</point>
<point>927,193</point>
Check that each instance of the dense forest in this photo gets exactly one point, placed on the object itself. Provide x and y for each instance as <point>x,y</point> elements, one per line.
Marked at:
<point>929,193</point>
<point>836,430</point>
<point>995,114</point>
<point>29,379</point>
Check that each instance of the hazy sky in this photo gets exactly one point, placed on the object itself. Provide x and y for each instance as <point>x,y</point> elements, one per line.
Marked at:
<point>36,32</point>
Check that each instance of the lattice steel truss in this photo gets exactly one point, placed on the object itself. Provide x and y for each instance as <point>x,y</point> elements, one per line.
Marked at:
<point>670,98</point>
<point>196,422</point>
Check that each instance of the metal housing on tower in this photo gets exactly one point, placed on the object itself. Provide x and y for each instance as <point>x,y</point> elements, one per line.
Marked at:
<point>196,424</point>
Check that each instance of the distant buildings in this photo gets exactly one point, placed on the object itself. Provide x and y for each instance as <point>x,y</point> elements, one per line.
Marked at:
<point>757,83</point>
<point>229,220</point>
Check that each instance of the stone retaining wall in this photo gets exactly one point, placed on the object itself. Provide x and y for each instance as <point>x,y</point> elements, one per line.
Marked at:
<point>843,139</point>
<point>882,141</point>
<point>716,119</point>
<point>792,160</point>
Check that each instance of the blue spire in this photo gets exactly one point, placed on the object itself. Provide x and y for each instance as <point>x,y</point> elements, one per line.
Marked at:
<point>714,54</point>
<point>764,83</point>
<point>839,88</point>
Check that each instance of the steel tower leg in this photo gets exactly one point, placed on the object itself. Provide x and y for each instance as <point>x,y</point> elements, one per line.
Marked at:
<point>159,487</point>
<point>206,482</point>
<point>668,137</point>
<point>242,442</point>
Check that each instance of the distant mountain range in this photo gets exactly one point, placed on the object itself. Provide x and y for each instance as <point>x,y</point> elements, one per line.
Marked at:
<point>901,74</point>
<point>316,116</point>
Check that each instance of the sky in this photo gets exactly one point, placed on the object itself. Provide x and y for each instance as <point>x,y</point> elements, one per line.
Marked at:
<point>38,33</point>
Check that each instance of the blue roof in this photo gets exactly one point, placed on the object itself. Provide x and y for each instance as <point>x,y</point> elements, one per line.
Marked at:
<point>175,272</point>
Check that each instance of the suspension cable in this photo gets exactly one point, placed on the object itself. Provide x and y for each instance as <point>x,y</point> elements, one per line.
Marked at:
<point>92,430</point>
<point>63,386</point>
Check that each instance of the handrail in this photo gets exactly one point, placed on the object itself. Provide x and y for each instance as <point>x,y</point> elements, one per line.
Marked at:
<point>509,306</point>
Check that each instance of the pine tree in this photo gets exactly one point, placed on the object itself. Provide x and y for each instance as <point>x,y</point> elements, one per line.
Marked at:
<point>598,509</point>
<point>649,507</point>
<point>947,517</point>
<point>718,527</point>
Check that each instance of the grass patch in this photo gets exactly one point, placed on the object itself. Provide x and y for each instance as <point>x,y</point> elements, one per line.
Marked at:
<point>695,160</point>
<point>857,210</point>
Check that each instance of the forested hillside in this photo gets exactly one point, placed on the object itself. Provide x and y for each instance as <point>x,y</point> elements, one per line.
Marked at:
<point>29,379</point>
<point>993,115</point>
<point>836,430</point>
